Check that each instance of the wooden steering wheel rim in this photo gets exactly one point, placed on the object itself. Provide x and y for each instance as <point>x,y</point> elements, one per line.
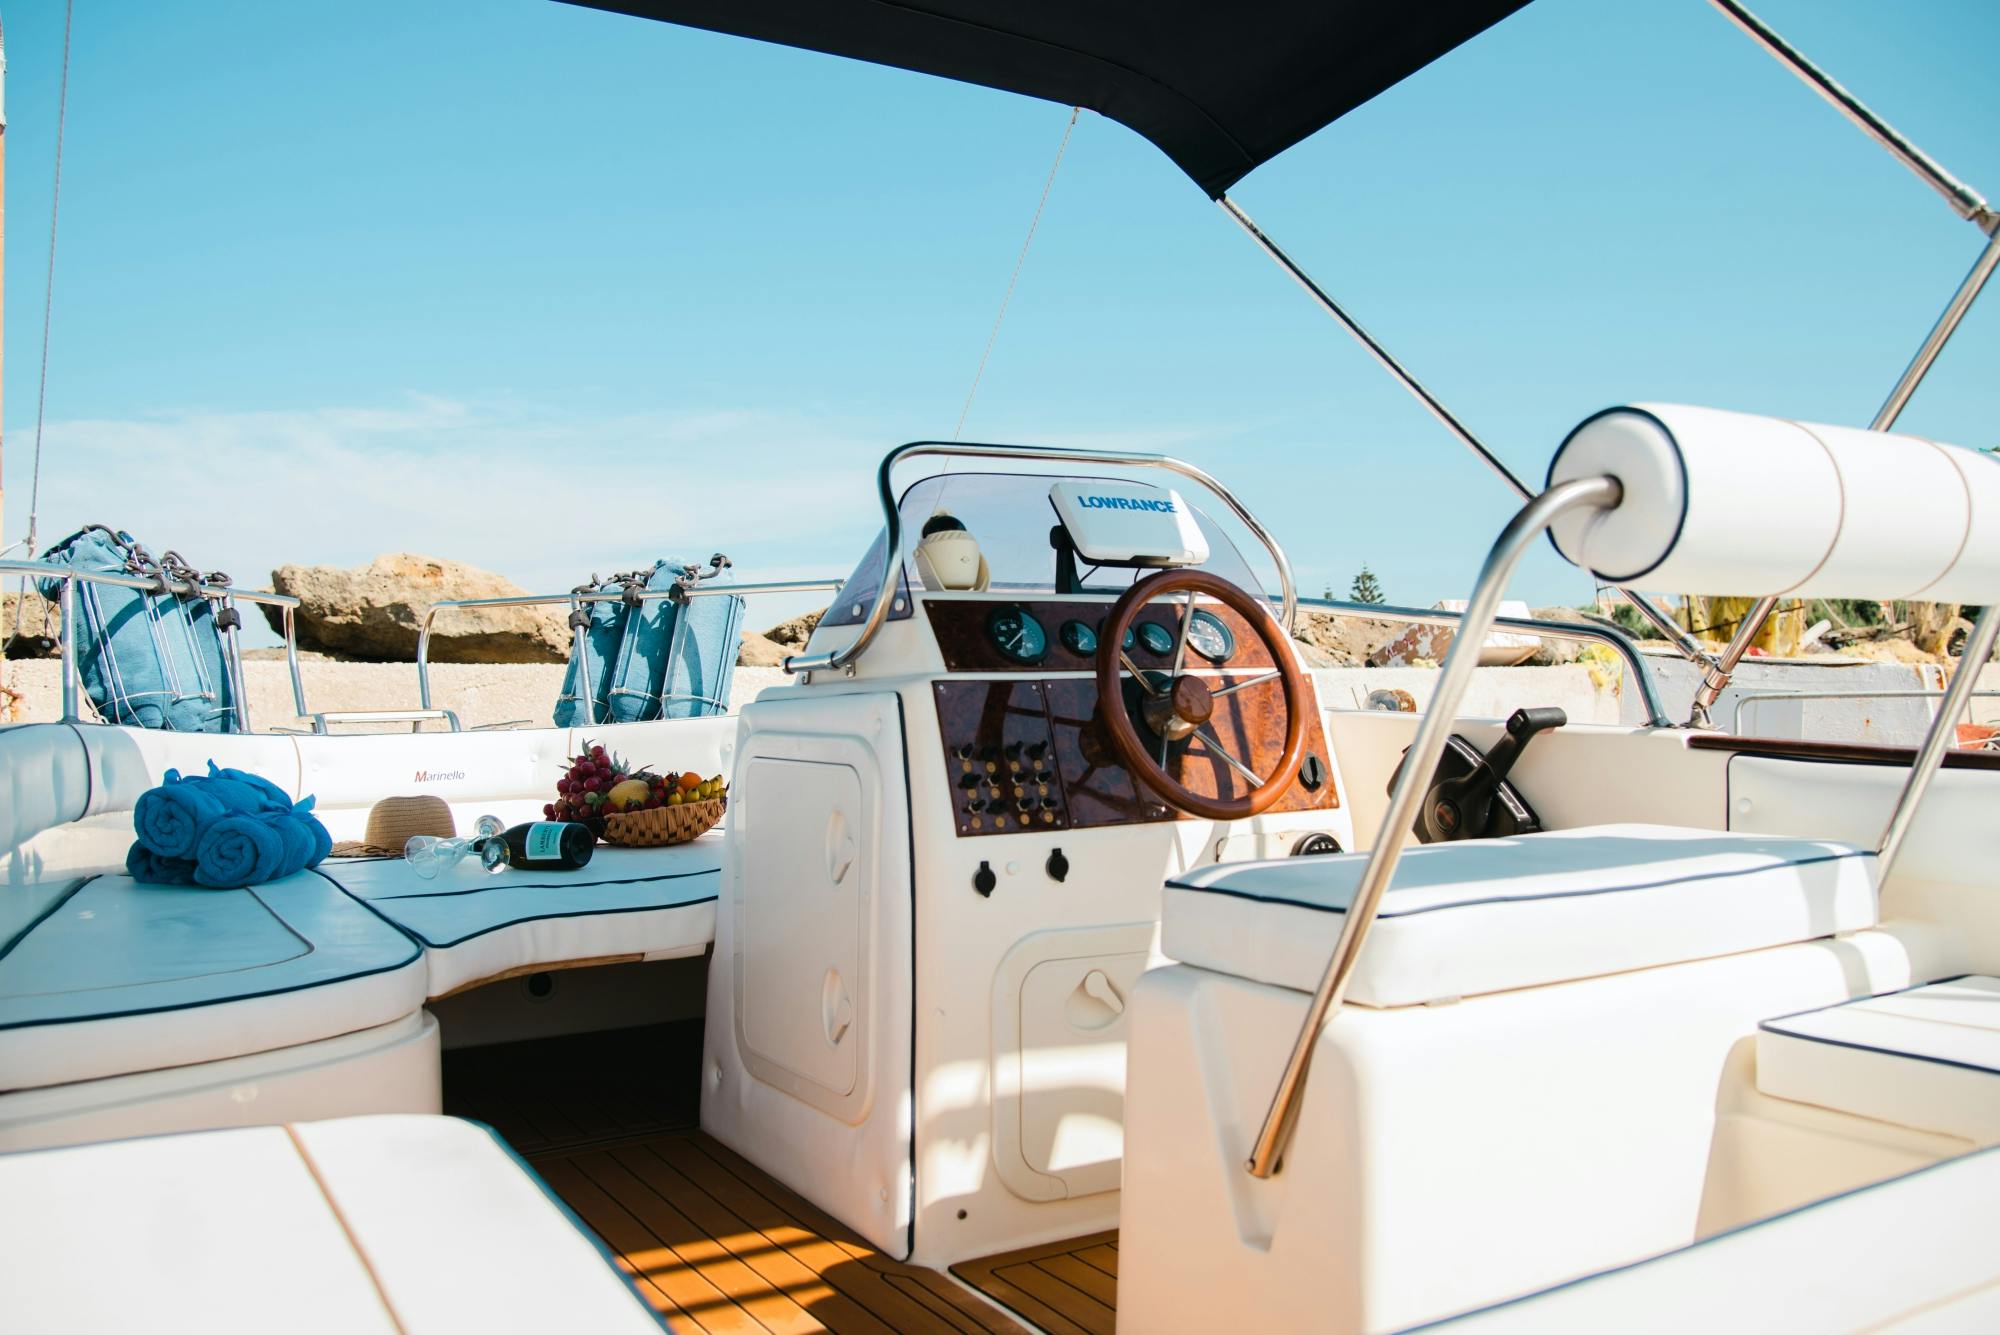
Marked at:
<point>1124,736</point>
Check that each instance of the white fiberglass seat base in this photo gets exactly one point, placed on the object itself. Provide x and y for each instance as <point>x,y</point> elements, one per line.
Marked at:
<point>1911,1254</point>
<point>1450,1153</point>
<point>393,1224</point>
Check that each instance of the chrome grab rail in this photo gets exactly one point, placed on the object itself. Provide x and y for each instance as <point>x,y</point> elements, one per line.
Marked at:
<point>892,524</point>
<point>321,722</point>
<point>1978,651</point>
<point>575,600</point>
<point>1626,647</point>
<point>224,595</point>
<point>1761,697</point>
<point>1422,759</point>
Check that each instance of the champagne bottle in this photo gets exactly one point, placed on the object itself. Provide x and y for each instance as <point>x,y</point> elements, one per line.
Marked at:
<point>543,845</point>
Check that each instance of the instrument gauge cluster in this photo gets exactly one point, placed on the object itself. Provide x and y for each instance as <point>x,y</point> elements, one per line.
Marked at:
<point>1210,637</point>
<point>1018,635</point>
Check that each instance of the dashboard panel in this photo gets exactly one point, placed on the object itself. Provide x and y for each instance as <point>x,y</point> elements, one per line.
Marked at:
<point>1046,635</point>
<point>1025,753</point>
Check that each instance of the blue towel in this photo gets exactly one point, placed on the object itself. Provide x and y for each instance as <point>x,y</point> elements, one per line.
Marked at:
<point>142,864</point>
<point>171,817</point>
<point>240,850</point>
<point>227,828</point>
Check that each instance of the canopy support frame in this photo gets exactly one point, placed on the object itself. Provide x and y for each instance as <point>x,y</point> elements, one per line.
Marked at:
<point>1662,621</point>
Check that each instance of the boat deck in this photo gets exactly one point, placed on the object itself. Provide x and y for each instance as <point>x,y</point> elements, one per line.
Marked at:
<point>713,1242</point>
<point>716,1245</point>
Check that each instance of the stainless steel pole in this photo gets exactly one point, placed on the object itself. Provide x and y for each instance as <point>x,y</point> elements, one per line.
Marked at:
<point>1978,650</point>
<point>1666,625</point>
<point>1422,759</point>
<point>1966,202</point>
<point>69,665</point>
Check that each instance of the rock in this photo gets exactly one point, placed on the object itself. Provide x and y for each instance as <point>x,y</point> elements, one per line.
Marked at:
<point>793,634</point>
<point>31,642</point>
<point>762,651</point>
<point>1555,653</point>
<point>375,613</point>
<point>1344,641</point>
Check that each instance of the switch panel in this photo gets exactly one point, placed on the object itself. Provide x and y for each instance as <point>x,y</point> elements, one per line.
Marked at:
<point>999,757</point>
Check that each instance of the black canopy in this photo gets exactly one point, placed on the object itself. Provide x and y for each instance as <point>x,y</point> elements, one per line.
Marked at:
<point>1219,86</point>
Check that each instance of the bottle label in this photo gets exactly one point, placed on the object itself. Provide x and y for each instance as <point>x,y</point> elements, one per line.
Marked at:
<point>545,840</point>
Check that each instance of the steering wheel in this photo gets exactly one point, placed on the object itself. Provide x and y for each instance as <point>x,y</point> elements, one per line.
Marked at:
<point>1181,709</point>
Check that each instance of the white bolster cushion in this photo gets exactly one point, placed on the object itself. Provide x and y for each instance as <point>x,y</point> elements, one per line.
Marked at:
<point>1730,503</point>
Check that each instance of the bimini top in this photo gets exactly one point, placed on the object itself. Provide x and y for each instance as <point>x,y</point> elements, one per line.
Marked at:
<point>1219,88</point>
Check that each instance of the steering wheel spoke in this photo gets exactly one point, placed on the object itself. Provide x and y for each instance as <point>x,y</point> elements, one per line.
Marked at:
<point>1223,754</point>
<point>1183,706</point>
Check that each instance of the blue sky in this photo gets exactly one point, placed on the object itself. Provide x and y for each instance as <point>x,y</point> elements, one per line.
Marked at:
<point>551,290</point>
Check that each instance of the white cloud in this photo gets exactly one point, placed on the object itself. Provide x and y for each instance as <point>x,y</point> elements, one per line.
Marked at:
<point>541,495</point>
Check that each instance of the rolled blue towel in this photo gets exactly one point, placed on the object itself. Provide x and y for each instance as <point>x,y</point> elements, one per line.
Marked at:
<point>143,864</point>
<point>322,842</point>
<point>169,819</point>
<point>243,792</point>
<point>240,850</point>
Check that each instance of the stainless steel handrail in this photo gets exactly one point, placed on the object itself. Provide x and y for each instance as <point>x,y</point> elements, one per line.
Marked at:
<point>322,722</point>
<point>609,596</point>
<point>1627,648</point>
<point>1762,697</point>
<point>1514,541</point>
<point>892,526</point>
<point>224,595</point>
<point>1978,651</point>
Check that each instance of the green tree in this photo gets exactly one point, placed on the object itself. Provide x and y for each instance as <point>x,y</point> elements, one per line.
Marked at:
<point>1366,588</point>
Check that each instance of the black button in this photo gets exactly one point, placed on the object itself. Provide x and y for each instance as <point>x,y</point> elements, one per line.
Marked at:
<point>984,880</point>
<point>1312,773</point>
<point>1058,866</point>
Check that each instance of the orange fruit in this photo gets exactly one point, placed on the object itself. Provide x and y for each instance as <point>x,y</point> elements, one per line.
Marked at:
<point>690,781</point>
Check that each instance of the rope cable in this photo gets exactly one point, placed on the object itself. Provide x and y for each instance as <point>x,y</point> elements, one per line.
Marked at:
<point>49,288</point>
<point>1020,261</point>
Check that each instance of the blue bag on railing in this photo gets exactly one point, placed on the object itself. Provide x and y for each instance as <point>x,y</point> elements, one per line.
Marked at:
<point>657,657</point>
<point>701,665</point>
<point>154,660</point>
<point>595,632</point>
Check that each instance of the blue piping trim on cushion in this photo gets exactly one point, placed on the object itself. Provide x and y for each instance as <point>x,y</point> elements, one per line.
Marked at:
<point>416,954</point>
<point>1771,1026</point>
<point>1514,899</point>
<point>588,1233</point>
<point>544,917</point>
<point>1680,462</point>
<point>536,885</point>
<point>45,915</point>
<point>1699,1243</point>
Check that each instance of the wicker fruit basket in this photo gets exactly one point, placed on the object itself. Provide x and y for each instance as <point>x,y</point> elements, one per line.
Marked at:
<point>657,827</point>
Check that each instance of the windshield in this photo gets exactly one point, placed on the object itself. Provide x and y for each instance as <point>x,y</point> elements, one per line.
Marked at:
<point>1011,516</point>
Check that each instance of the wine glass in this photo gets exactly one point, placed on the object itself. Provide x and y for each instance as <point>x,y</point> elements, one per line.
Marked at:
<point>430,855</point>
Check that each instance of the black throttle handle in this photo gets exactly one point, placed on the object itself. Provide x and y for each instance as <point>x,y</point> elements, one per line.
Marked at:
<point>1522,725</point>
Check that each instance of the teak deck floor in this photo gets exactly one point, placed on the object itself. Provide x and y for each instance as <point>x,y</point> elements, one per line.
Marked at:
<point>718,1246</point>
<point>1066,1288</point>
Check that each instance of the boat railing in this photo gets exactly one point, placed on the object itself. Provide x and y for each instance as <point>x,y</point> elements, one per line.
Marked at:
<point>848,654</point>
<point>575,601</point>
<point>1637,666</point>
<point>228,619</point>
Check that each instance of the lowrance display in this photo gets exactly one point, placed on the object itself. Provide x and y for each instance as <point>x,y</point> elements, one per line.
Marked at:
<point>1129,523</point>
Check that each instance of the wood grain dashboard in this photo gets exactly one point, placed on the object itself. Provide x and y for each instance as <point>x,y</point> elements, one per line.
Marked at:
<point>963,627</point>
<point>1031,755</point>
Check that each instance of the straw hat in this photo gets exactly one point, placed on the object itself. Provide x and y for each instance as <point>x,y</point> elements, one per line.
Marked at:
<point>393,820</point>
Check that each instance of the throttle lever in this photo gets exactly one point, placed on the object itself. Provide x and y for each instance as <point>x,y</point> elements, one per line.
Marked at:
<point>1463,805</point>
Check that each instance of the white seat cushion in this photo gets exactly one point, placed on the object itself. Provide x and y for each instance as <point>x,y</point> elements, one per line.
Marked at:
<point>1916,1249</point>
<point>114,976</point>
<point>1926,1057</point>
<point>473,925</point>
<point>1482,916</point>
<point>397,1223</point>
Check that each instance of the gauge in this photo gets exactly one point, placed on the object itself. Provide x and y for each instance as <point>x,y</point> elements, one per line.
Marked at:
<point>1130,639</point>
<point>1210,637</point>
<point>1078,638</point>
<point>1157,639</point>
<point>1017,635</point>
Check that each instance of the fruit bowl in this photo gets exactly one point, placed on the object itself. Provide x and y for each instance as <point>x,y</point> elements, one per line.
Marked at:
<point>657,827</point>
<point>596,788</point>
